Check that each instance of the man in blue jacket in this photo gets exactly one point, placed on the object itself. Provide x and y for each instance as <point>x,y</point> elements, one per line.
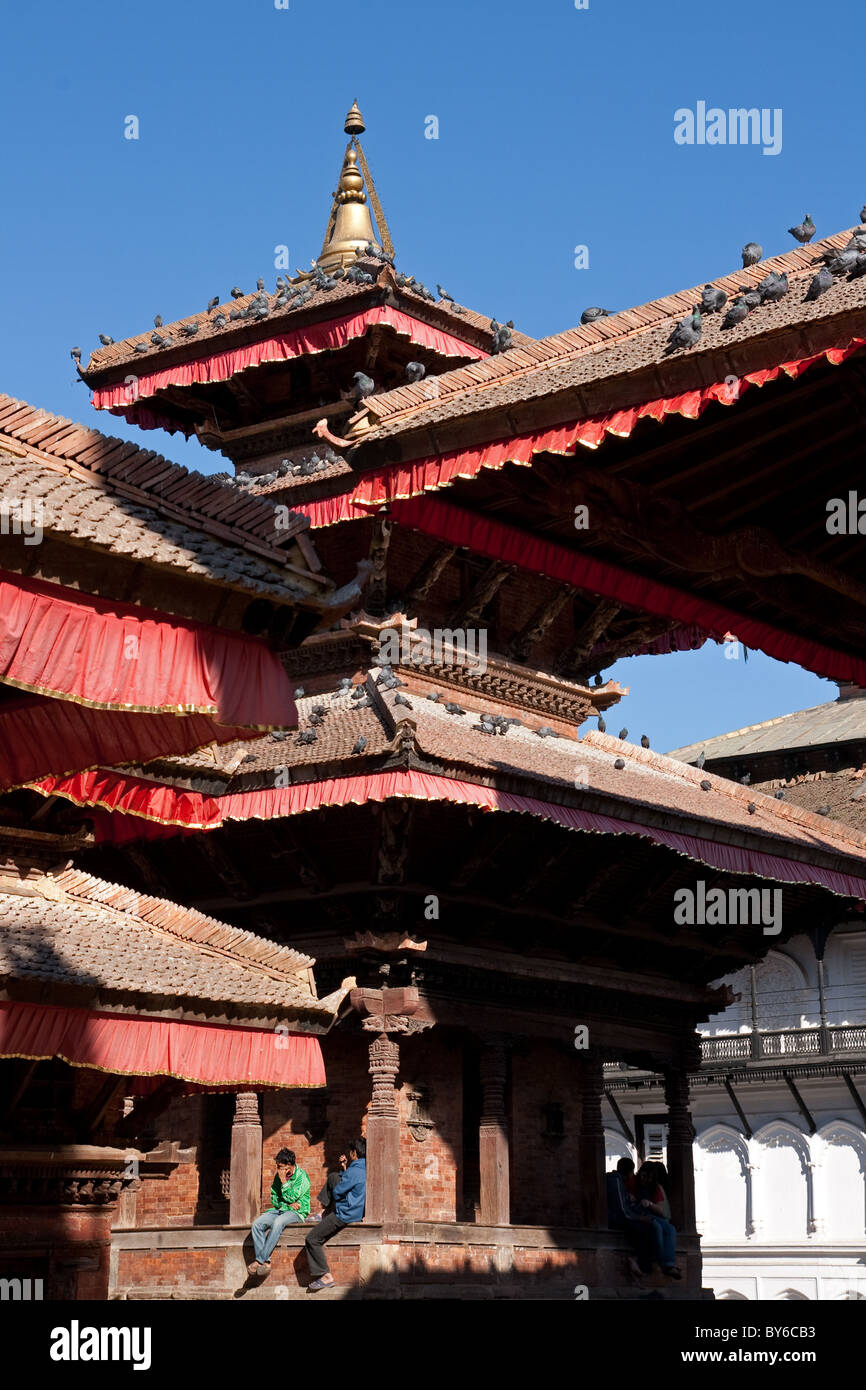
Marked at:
<point>350,1195</point>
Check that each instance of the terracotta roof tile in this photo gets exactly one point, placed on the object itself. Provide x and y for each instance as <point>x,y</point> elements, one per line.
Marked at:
<point>621,344</point>
<point>72,928</point>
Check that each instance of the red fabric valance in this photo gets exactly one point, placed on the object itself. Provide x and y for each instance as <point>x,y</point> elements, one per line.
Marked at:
<point>206,1054</point>
<point>39,736</point>
<point>115,656</point>
<point>499,541</point>
<point>151,810</point>
<point>397,481</point>
<point>296,342</point>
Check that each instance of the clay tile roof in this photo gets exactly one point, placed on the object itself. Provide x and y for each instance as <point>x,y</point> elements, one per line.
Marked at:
<point>616,346</point>
<point>75,929</point>
<point>134,502</point>
<point>345,297</point>
<point>650,784</point>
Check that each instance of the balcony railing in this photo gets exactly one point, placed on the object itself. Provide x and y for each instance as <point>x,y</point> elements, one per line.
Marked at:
<point>785,1042</point>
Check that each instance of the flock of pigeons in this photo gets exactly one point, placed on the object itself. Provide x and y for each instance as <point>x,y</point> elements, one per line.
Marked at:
<point>850,261</point>
<point>295,296</point>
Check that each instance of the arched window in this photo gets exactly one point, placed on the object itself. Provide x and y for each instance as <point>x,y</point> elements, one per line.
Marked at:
<point>723,1187</point>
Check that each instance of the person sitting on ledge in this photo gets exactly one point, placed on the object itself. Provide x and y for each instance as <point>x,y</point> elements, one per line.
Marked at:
<point>290,1202</point>
<point>625,1214</point>
<point>350,1195</point>
<point>652,1199</point>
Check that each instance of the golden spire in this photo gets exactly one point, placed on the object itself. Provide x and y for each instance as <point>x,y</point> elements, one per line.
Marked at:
<point>350,227</point>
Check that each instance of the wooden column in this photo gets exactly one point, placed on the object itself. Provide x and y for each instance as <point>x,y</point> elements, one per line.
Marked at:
<point>383,1133</point>
<point>493,1140</point>
<point>590,1144</point>
<point>681,1136</point>
<point>245,1191</point>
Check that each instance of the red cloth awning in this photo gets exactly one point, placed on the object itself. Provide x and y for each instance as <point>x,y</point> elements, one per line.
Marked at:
<point>401,480</point>
<point>39,737</point>
<point>205,1054</point>
<point>115,656</point>
<point>499,541</point>
<point>130,809</point>
<point>296,342</point>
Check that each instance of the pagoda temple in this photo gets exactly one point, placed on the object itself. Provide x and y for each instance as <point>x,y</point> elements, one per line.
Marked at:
<point>355,775</point>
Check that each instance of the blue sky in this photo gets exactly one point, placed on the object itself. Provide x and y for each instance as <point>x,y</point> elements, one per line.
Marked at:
<point>555,130</point>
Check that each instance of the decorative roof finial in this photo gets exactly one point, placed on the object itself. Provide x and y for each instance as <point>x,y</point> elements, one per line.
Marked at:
<point>350,227</point>
<point>354,121</point>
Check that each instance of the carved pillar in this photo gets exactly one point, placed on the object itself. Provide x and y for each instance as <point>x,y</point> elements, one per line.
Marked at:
<point>245,1192</point>
<point>681,1137</point>
<point>383,1133</point>
<point>590,1144</point>
<point>493,1140</point>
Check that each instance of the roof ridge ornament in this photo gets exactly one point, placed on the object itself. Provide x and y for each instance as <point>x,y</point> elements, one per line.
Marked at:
<point>350,226</point>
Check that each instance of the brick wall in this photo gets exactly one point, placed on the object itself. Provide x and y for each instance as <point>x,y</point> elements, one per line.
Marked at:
<point>172,1201</point>
<point>545,1177</point>
<point>431,1171</point>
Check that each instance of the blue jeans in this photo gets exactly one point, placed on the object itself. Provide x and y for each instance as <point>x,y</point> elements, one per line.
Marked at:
<point>267,1230</point>
<point>664,1242</point>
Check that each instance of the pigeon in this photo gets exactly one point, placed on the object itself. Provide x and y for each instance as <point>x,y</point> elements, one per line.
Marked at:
<point>453,709</point>
<point>364,386</point>
<point>863,213</point>
<point>602,725</point>
<point>212,303</point>
<point>345,684</point>
<point>357,276</point>
<point>75,354</point>
<point>779,795</point>
<point>823,810</point>
<point>546,732</point>
<point>260,284</point>
<point>858,267</point>
<point>358,692</point>
<point>840,262</point>
<point>501,336</point>
<point>189,330</point>
<point>435,695</point>
<point>688,332</point>
<point>821,283</point>
<point>299,692</point>
<point>156,337</point>
<point>282,282</point>
<point>376,254</point>
<point>744,781</point>
<point>706,786</point>
<point>401,700</point>
<point>773,287</point>
<point>141,347</point>
<point>738,311</point>
<point>858,240</point>
<point>278,735</point>
<point>360,745</point>
<point>308,736</point>
<point>105,340</point>
<point>751,808</point>
<point>594,312</point>
<point>237,292</point>
<point>623,734</point>
<point>487,727</point>
<point>424,292</point>
<point>443,294</point>
<point>700,759</point>
<point>804,232</point>
<point>157,321</point>
<point>644,741</point>
<point>219,320</point>
<point>235,314</point>
<point>751,297</point>
<point>596,680</point>
<point>712,299</point>
<point>752,253</point>
<point>415,371</point>
<point>619,764</point>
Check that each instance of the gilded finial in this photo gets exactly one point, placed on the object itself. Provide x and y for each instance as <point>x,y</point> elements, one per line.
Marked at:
<point>354,121</point>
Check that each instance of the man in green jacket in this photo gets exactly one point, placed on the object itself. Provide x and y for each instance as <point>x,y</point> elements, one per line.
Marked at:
<point>290,1201</point>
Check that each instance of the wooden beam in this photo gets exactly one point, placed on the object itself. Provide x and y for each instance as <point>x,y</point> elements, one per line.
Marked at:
<point>586,636</point>
<point>427,575</point>
<point>535,630</point>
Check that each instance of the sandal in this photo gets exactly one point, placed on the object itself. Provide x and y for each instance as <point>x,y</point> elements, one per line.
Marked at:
<point>319,1284</point>
<point>672,1272</point>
